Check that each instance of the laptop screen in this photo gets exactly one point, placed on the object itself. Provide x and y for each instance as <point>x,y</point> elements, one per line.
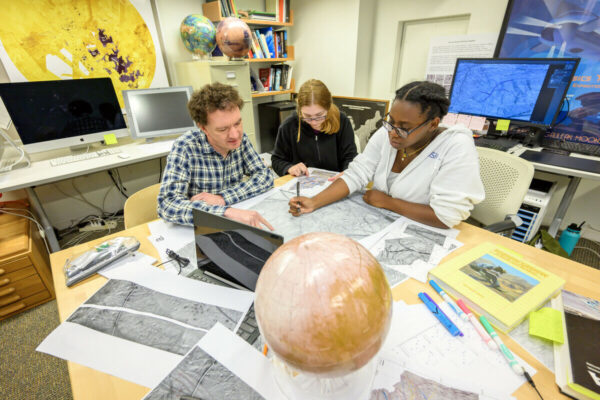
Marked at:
<point>230,250</point>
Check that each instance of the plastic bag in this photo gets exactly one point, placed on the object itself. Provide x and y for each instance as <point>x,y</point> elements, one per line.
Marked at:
<point>90,262</point>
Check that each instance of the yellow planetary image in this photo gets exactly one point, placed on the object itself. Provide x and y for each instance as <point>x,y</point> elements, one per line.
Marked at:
<point>74,39</point>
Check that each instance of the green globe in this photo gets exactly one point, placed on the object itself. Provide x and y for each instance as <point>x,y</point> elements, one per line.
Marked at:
<point>198,34</point>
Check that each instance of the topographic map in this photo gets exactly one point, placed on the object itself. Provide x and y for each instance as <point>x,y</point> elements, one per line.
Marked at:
<point>351,217</point>
<point>497,90</point>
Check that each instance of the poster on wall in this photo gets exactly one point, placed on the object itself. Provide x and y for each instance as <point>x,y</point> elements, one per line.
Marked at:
<point>364,114</point>
<point>60,39</point>
<point>561,28</point>
<point>444,50</point>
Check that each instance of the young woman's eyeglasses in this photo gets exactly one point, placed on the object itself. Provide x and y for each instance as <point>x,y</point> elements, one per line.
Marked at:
<point>316,119</point>
<point>399,131</point>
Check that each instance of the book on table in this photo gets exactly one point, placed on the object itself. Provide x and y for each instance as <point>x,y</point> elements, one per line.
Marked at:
<point>498,283</point>
<point>577,360</point>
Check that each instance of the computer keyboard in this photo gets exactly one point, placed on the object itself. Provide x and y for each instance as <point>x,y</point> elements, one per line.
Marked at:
<point>248,330</point>
<point>502,144</point>
<point>83,156</point>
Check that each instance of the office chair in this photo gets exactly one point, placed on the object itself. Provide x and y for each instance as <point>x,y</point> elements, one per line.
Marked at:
<point>140,207</point>
<point>506,179</point>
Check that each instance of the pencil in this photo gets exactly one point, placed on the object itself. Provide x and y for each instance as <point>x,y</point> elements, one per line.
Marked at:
<point>298,195</point>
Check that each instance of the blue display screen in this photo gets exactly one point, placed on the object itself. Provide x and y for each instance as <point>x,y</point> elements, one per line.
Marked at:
<point>528,90</point>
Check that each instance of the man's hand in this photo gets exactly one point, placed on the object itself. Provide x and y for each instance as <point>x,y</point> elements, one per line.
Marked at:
<point>301,205</point>
<point>298,170</point>
<point>209,198</point>
<point>248,217</point>
<point>376,198</point>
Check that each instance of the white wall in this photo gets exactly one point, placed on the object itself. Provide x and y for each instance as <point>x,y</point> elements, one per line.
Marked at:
<point>325,39</point>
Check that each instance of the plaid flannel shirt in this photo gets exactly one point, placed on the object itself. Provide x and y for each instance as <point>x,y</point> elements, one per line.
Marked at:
<point>194,166</point>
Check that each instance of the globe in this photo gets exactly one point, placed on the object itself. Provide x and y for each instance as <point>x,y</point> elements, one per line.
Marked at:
<point>198,34</point>
<point>233,37</point>
<point>323,304</point>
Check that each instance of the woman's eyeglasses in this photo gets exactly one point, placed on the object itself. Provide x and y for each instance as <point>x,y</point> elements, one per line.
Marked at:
<point>399,131</point>
<point>316,119</point>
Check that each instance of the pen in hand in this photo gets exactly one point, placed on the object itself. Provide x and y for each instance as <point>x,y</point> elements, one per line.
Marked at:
<point>298,195</point>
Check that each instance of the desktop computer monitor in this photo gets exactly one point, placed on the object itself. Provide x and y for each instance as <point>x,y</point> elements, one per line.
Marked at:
<point>523,90</point>
<point>50,115</point>
<point>158,112</point>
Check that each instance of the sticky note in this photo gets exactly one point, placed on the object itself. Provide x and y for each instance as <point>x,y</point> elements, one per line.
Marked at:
<point>477,123</point>
<point>463,119</point>
<point>450,119</point>
<point>502,124</point>
<point>110,139</point>
<point>546,323</point>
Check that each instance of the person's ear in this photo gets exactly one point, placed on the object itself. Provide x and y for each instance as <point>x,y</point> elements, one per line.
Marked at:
<point>435,122</point>
<point>201,127</point>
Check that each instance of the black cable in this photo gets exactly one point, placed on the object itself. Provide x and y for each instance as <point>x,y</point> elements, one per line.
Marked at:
<point>530,380</point>
<point>160,170</point>
<point>120,180</point>
<point>182,262</point>
<point>116,184</point>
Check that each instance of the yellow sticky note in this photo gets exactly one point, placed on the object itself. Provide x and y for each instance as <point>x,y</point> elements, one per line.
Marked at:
<point>110,139</point>
<point>546,323</point>
<point>502,124</point>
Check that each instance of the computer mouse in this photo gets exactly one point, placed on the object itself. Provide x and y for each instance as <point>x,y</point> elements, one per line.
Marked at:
<point>124,155</point>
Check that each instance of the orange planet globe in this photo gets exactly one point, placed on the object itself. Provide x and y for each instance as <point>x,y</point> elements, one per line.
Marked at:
<point>323,304</point>
<point>233,37</point>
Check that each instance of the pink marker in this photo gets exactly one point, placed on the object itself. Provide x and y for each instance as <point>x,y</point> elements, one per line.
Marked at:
<point>480,330</point>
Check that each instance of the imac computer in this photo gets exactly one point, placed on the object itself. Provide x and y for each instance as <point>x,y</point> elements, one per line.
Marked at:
<point>526,91</point>
<point>50,115</point>
<point>158,112</point>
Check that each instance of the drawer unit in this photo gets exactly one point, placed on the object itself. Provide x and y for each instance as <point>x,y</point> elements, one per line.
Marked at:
<point>25,278</point>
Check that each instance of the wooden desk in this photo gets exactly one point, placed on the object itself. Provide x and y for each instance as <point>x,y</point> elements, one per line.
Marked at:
<point>87,383</point>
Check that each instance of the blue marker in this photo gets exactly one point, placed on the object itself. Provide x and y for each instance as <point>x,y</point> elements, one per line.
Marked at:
<point>439,314</point>
<point>448,300</point>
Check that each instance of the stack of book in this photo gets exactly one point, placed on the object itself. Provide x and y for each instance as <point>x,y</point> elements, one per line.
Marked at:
<point>267,43</point>
<point>497,283</point>
<point>281,9</point>
<point>228,8</point>
<point>276,77</point>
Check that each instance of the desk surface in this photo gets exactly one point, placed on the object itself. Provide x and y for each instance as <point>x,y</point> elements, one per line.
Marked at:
<point>87,383</point>
<point>519,149</point>
<point>41,172</point>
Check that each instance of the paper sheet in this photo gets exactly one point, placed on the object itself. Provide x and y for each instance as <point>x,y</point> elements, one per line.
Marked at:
<point>144,316</point>
<point>425,345</point>
<point>179,238</point>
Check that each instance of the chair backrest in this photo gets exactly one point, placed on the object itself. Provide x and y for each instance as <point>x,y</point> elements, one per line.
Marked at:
<point>506,179</point>
<point>140,207</point>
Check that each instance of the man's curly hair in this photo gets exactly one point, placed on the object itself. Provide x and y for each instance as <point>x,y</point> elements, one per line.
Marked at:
<point>210,98</point>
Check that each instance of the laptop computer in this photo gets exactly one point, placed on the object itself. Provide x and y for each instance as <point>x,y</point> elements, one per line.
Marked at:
<point>231,251</point>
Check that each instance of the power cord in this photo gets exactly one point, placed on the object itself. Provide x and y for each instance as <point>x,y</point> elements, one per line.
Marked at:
<point>182,262</point>
<point>32,218</point>
<point>530,380</point>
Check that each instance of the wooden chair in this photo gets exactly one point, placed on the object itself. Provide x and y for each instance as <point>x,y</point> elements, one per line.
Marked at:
<point>140,207</point>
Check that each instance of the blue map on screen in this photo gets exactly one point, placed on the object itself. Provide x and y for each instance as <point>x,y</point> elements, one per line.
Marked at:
<point>506,91</point>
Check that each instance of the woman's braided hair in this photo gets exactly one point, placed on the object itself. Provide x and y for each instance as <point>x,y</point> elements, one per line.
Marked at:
<point>430,96</point>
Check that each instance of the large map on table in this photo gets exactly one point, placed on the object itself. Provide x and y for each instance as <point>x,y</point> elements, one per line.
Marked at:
<point>351,217</point>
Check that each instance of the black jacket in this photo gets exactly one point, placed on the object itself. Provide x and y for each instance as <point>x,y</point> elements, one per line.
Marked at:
<point>315,149</point>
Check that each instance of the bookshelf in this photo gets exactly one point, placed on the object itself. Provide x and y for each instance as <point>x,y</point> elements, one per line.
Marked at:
<point>213,10</point>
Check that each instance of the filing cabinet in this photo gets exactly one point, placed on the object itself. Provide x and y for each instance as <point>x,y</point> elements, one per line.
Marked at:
<point>25,277</point>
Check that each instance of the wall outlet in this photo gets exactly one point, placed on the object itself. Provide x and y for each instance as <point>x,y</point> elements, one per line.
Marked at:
<point>98,226</point>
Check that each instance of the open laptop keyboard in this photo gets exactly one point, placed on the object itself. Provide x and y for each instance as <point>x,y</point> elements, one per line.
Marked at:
<point>248,330</point>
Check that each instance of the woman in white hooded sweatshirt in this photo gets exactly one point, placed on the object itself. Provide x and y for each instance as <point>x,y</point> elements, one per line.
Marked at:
<point>419,169</point>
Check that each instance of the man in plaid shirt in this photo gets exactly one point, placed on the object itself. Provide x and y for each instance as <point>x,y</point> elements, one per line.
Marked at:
<point>205,168</point>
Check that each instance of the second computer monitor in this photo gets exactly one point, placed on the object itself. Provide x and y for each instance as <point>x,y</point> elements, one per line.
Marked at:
<point>158,112</point>
<point>530,90</point>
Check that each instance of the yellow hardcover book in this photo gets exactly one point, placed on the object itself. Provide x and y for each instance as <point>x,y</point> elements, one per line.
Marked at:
<point>498,283</point>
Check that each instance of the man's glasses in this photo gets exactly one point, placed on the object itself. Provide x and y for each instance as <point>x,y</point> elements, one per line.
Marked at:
<point>316,119</point>
<point>399,131</point>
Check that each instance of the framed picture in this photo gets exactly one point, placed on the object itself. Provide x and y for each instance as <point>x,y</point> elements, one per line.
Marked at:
<point>561,28</point>
<point>364,114</point>
<point>49,40</point>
